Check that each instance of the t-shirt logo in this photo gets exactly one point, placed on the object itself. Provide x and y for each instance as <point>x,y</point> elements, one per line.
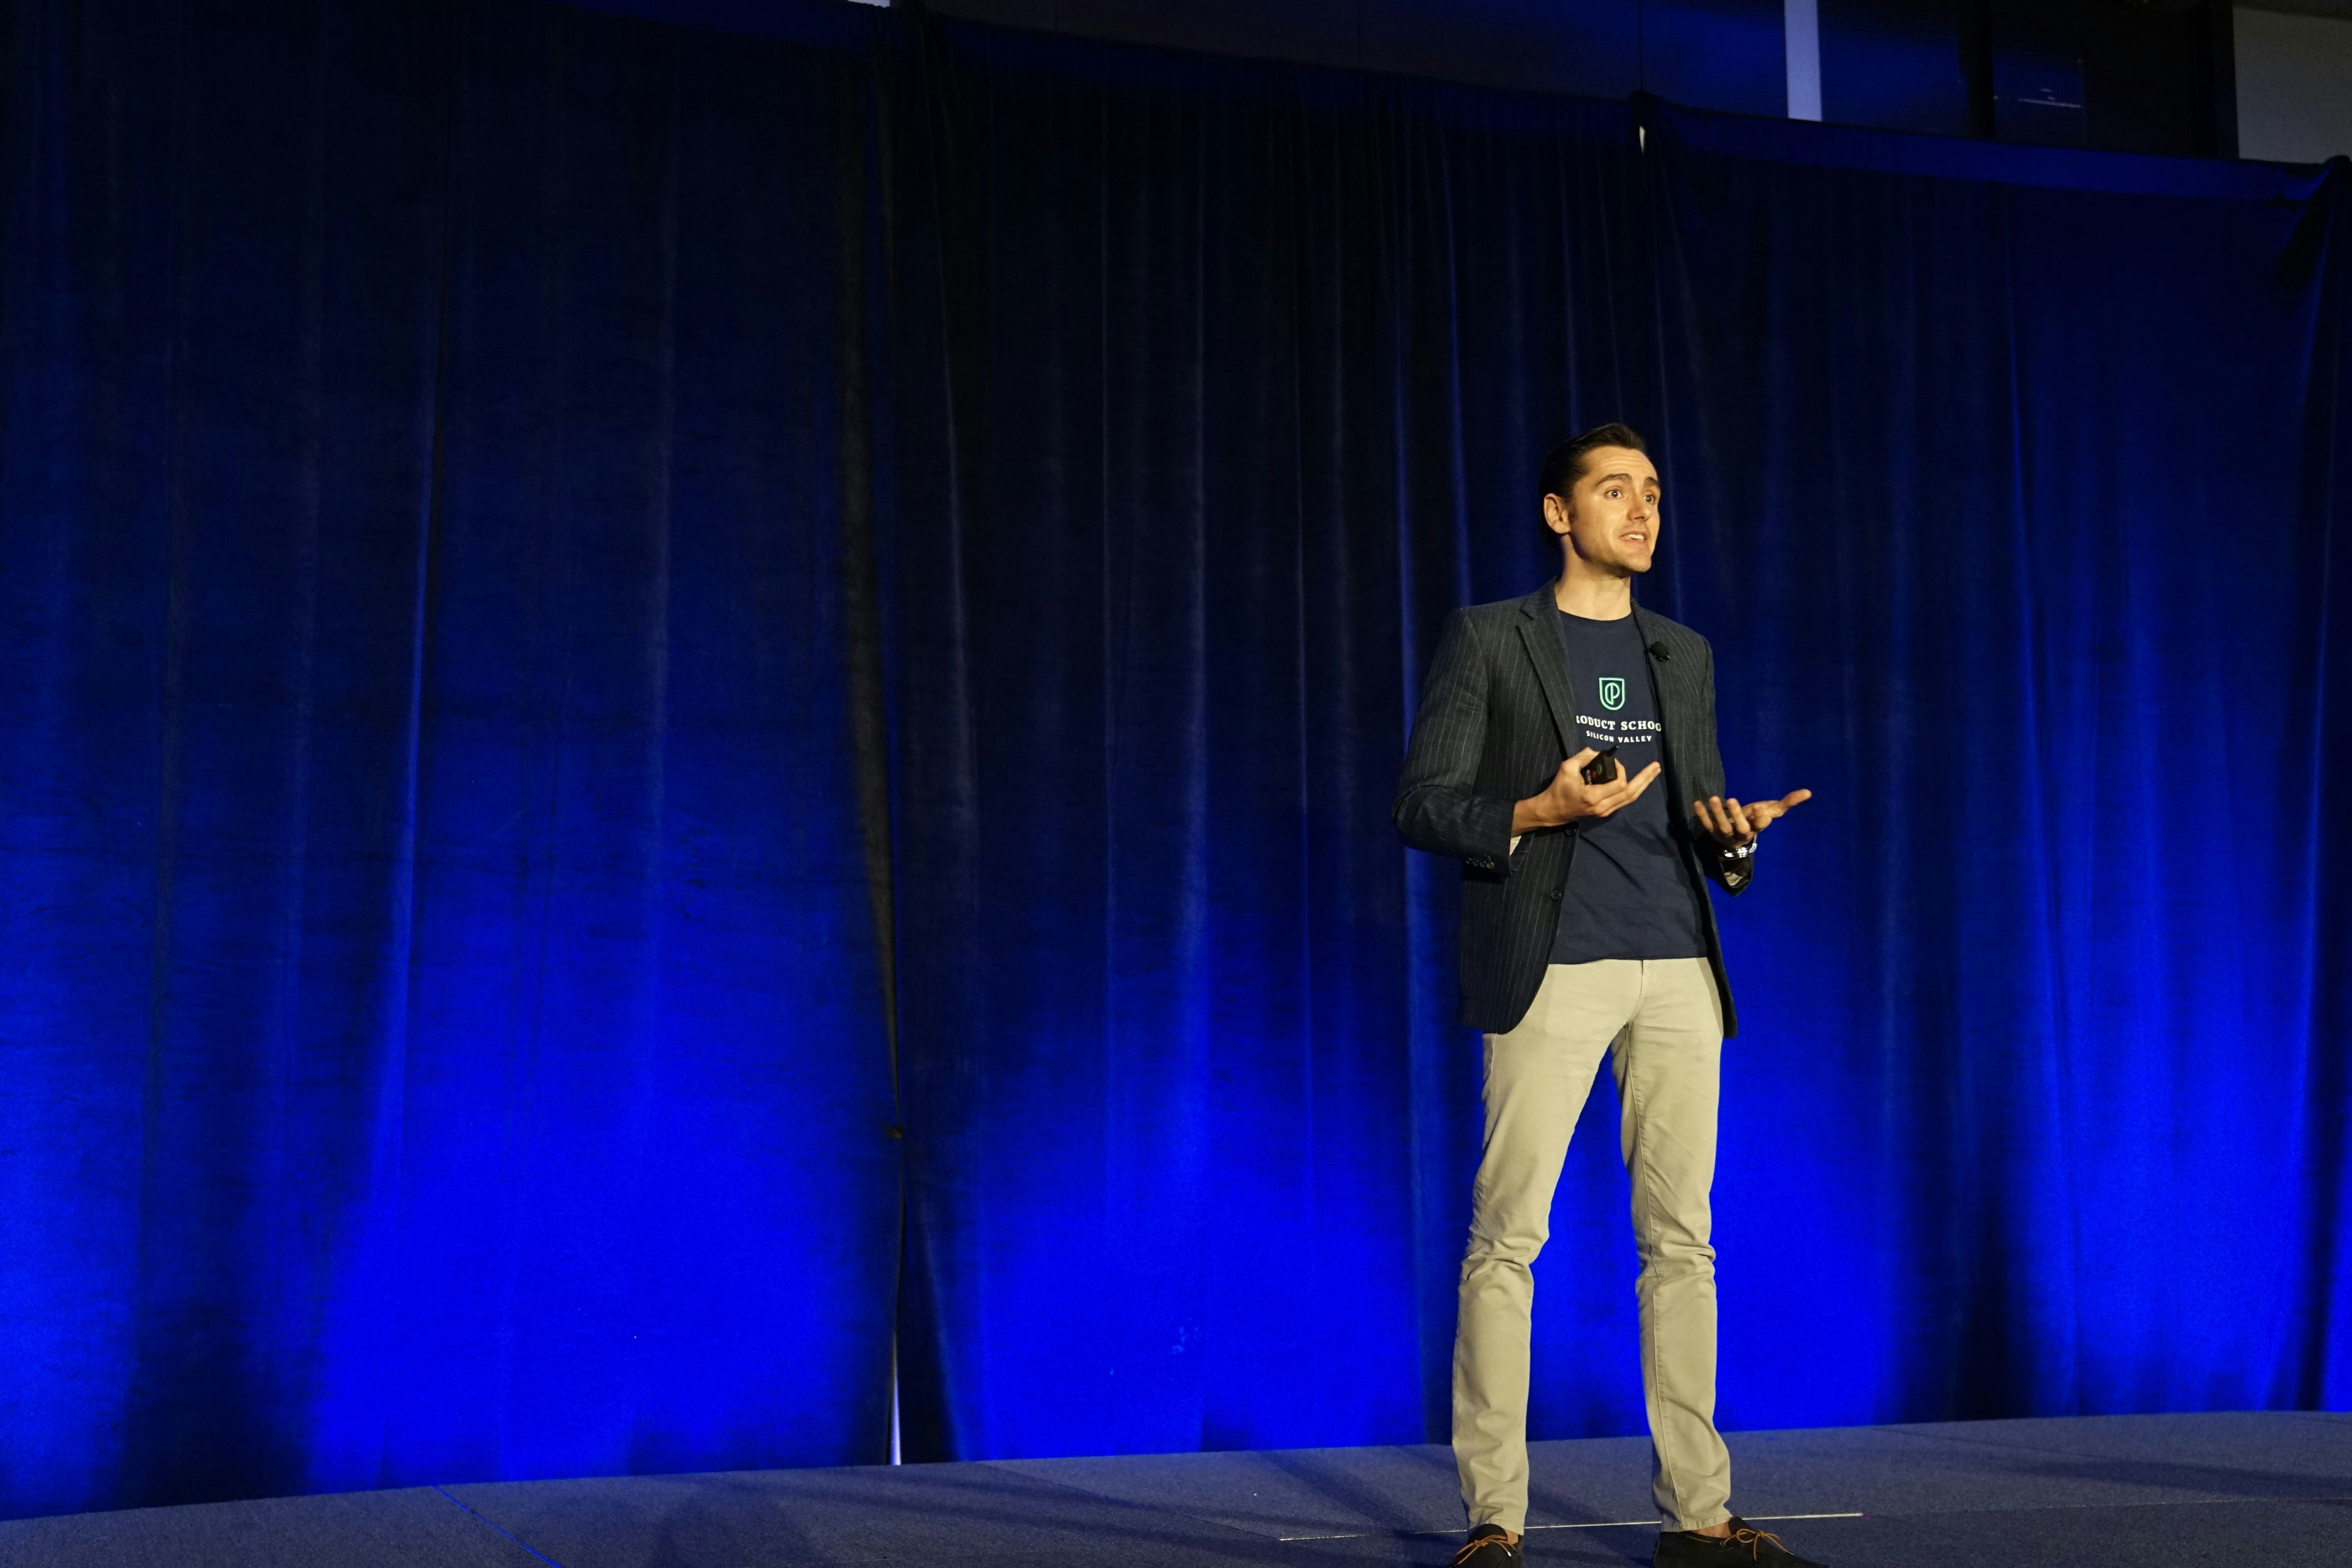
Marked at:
<point>1612,692</point>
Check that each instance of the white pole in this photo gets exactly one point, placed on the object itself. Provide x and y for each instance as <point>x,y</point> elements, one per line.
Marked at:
<point>1804,32</point>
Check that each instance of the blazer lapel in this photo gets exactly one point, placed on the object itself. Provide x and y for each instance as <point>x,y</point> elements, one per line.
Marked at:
<point>1541,633</point>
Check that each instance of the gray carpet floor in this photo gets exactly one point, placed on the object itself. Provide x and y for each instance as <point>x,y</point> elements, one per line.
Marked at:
<point>2230,1491</point>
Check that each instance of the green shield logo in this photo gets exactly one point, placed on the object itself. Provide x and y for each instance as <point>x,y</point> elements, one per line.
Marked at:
<point>1612,692</point>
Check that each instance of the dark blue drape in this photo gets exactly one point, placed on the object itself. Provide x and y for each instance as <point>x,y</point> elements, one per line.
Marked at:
<point>2013,494</point>
<point>561,578</point>
<point>442,1020</point>
<point>2006,483</point>
<point>1246,372</point>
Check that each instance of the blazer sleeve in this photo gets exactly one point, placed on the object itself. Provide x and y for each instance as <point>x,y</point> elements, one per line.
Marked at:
<point>1437,808</point>
<point>1734,873</point>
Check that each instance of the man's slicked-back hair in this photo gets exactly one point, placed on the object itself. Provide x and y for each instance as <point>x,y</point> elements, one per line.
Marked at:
<point>1564,464</point>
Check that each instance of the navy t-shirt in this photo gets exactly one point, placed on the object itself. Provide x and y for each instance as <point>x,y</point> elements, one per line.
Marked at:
<point>1628,894</point>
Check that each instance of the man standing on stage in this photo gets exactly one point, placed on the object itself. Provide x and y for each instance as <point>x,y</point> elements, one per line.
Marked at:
<point>1586,928</point>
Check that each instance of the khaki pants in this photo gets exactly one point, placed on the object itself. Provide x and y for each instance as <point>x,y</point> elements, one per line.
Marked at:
<point>1661,1023</point>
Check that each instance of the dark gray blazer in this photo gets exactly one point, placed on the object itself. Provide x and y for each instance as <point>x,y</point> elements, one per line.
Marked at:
<point>1497,720</point>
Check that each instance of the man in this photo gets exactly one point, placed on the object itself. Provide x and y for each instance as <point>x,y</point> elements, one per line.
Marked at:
<point>1586,928</point>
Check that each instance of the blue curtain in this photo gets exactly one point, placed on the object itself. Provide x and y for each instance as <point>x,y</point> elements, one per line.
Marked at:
<point>2013,488</point>
<point>1244,372</point>
<point>602,618</point>
<point>444,1028</point>
<point>2010,487</point>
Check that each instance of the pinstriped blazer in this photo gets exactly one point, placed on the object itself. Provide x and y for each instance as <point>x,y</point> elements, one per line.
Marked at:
<point>1497,720</point>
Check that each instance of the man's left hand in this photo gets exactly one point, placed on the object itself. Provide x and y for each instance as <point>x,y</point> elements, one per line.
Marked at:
<point>1732,825</point>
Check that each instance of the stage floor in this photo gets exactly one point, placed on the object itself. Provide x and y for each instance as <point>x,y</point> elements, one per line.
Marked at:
<point>2221,1490</point>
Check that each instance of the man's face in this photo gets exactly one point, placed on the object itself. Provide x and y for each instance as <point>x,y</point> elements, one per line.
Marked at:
<point>1610,519</point>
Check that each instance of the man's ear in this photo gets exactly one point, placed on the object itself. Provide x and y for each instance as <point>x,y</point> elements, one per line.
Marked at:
<point>1556,514</point>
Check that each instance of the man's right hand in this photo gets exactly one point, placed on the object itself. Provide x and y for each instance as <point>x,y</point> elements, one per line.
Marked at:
<point>1570,799</point>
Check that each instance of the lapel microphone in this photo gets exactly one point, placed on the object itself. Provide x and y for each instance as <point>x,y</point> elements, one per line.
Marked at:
<point>1658,651</point>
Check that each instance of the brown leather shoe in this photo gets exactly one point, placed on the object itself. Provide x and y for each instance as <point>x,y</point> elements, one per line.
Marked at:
<point>1746,1545</point>
<point>1490,1546</point>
